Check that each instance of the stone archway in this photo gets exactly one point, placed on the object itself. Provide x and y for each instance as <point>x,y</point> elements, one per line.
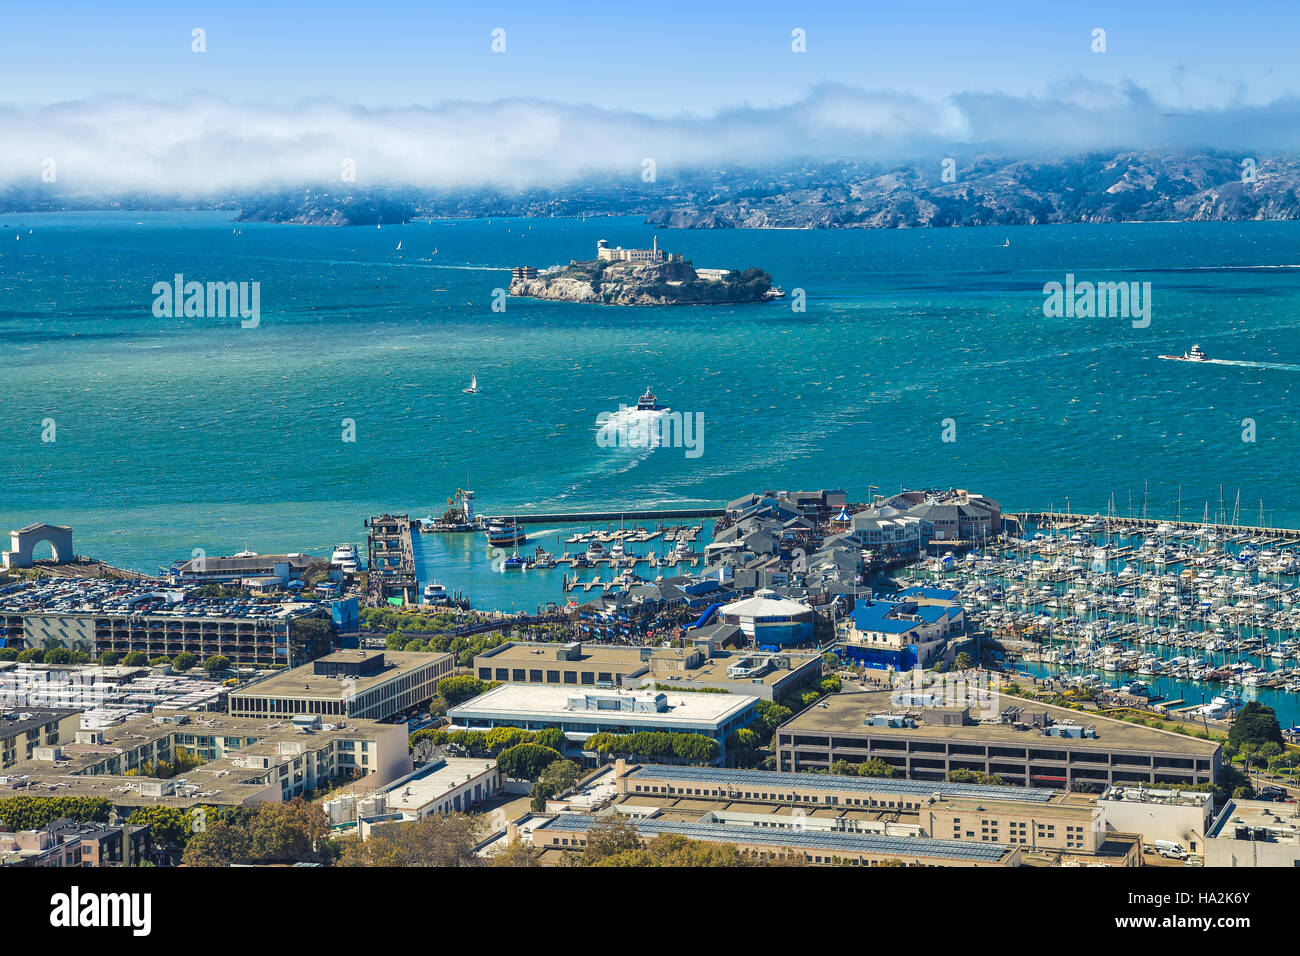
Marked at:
<point>23,541</point>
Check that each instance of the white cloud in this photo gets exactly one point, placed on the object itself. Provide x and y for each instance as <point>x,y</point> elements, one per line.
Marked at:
<point>208,146</point>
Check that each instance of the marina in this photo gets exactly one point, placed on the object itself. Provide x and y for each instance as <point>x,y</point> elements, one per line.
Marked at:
<point>1172,611</point>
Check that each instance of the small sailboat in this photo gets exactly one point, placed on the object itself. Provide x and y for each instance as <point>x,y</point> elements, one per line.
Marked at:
<point>435,251</point>
<point>399,245</point>
<point>1006,243</point>
<point>473,385</point>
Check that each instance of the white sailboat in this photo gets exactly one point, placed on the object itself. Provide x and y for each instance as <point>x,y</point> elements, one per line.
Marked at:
<point>399,245</point>
<point>473,385</point>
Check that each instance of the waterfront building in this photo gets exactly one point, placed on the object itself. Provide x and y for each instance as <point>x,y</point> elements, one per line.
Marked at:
<point>264,569</point>
<point>768,620</point>
<point>582,712</point>
<point>100,615</point>
<point>949,516</point>
<point>899,634</point>
<point>1023,742</point>
<point>359,684</point>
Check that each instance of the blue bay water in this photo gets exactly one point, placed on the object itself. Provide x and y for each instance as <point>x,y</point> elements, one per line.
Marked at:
<point>177,434</point>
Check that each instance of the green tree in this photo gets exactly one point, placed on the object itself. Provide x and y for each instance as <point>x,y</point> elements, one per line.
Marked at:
<point>159,661</point>
<point>608,835</point>
<point>517,853</point>
<point>460,688</point>
<point>962,661</point>
<point>32,655</point>
<point>1255,724</point>
<point>184,661</point>
<point>503,738</point>
<point>216,664</point>
<point>526,761</point>
<point>109,659</point>
<point>32,813</point>
<point>58,655</point>
<point>170,827</point>
<point>135,659</point>
<point>551,737</point>
<point>560,775</point>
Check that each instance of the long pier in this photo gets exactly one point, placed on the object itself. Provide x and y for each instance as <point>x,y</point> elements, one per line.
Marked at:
<point>1058,518</point>
<point>390,560</point>
<point>586,517</point>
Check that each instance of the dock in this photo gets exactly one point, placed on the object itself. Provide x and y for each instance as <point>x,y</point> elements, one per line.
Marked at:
<point>1067,519</point>
<point>586,517</point>
<point>390,560</point>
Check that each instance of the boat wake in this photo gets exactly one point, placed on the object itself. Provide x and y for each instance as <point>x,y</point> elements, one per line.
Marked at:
<point>1278,366</point>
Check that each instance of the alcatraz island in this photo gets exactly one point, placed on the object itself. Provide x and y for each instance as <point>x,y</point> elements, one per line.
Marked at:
<point>619,276</point>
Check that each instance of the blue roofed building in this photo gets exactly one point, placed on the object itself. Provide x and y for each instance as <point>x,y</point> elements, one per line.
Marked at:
<point>901,634</point>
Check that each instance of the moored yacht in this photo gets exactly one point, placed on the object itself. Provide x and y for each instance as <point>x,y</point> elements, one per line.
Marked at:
<point>435,593</point>
<point>345,556</point>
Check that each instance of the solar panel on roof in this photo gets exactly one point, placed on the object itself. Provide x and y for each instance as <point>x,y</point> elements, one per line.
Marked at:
<point>774,778</point>
<point>827,840</point>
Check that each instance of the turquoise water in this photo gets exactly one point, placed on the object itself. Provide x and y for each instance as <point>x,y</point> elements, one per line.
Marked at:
<point>177,434</point>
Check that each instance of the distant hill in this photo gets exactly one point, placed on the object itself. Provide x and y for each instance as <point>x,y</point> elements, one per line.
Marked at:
<point>985,190</point>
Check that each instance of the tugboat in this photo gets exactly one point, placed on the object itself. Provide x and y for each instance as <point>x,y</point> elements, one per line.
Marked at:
<point>1195,355</point>
<point>505,534</point>
<point>648,403</point>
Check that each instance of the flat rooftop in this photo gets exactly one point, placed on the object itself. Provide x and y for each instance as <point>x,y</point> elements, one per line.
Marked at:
<point>845,714</point>
<point>714,669</point>
<point>99,596</point>
<point>1157,796</point>
<point>1281,821</point>
<point>435,782</point>
<point>303,682</point>
<point>548,702</point>
<point>534,654</point>
<point>808,841</point>
<point>15,721</point>
<point>769,780</point>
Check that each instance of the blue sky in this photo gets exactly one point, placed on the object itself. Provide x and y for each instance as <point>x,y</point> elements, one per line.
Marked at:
<point>658,58</point>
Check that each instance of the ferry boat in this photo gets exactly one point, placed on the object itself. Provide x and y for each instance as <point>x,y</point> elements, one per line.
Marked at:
<point>776,292</point>
<point>345,556</point>
<point>435,593</point>
<point>505,534</point>
<point>1195,355</point>
<point>648,403</point>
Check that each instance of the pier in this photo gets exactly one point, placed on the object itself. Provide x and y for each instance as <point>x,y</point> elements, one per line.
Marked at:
<point>1067,519</point>
<point>390,560</point>
<point>587,517</point>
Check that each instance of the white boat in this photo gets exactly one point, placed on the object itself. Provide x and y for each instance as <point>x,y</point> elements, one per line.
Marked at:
<point>473,385</point>
<point>345,556</point>
<point>435,593</point>
<point>1195,355</point>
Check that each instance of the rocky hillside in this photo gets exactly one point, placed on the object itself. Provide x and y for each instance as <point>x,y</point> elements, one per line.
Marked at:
<point>1097,188</point>
<point>631,283</point>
